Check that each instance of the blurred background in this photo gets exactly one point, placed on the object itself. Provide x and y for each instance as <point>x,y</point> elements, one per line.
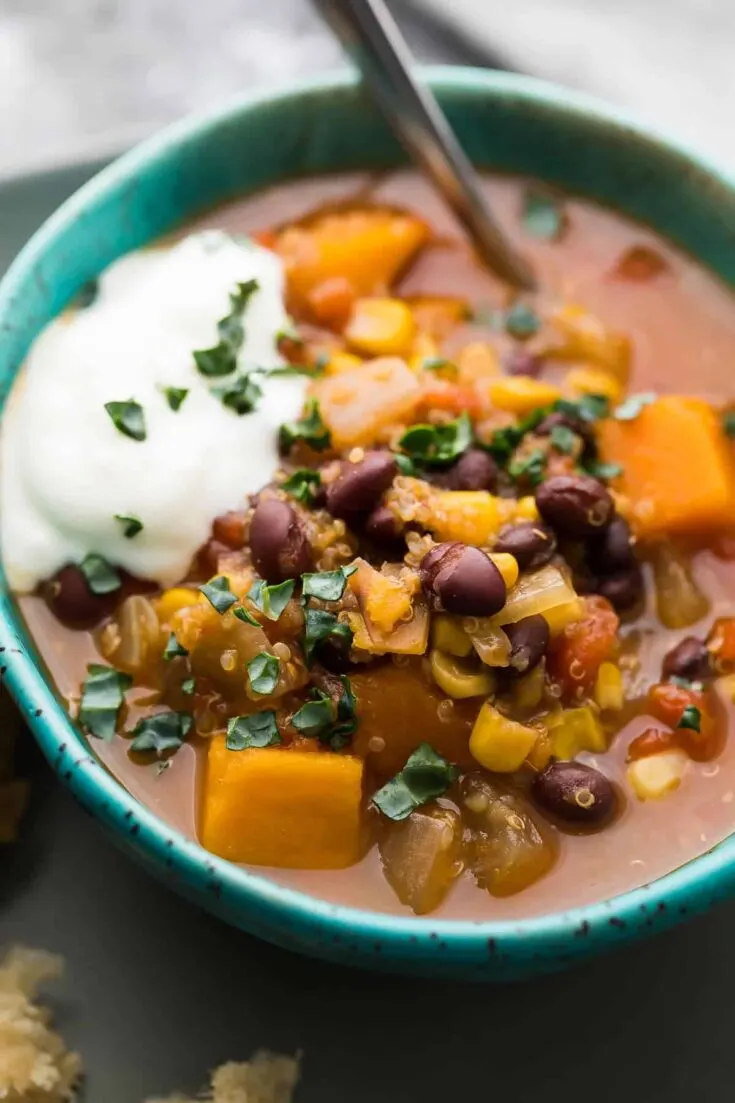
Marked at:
<point>80,78</point>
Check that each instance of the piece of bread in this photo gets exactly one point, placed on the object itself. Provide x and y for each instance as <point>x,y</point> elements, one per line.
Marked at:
<point>35,1066</point>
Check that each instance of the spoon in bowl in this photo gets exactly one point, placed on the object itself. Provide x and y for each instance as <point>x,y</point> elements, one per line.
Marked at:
<point>370,35</point>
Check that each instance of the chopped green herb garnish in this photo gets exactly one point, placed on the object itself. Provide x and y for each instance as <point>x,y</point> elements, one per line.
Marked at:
<point>242,396</point>
<point>173,648</point>
<point>603,471</point>
<point>263,673</point>
<point>103,692</point>
<point>504,442</point>
<point>242,614</point>
<point>166,731</point>
<point>310,429</point>
<point>327,585</point>
<point>175,396</point>
<point>543,215</point>
<point>131,526</point>
<point>257,730</point>
<point>530,468</point>
<point>319,626</point>
<point>691,718</point>
<point>102,578</point>
<point>728,422</point>
<point>438,444</point>
<point>588,407</point>
<point>188,686</point>
<point>320,719</point>
<point>128,417</point>
<point>438,363</point>
<point>271,600</point>
<point>218,593</point>
<point>563,439</point>
<point>346,725</point>
<point>426,776</point>
<point>221,359</point>
<point>522,321</point>
<point>302,484</point>
<point>632,406</point>
<point>313,718</point>
<point>404,464</point>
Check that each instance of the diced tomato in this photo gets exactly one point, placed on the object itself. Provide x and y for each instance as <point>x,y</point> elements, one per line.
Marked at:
<point>576,656</point>
<point>668,702</point>
<point>721,644</point>
<point>331,302</point>
<point>651,741</point>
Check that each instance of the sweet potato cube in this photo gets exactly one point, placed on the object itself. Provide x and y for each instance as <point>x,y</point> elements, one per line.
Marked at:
<point>358,406</point>
<point>272,807</point>
<point>678,471</point>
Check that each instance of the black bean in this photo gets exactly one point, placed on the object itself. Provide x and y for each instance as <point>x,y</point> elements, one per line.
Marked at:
<point>359,486</point>
<point>70,599</point>
<point>531,544</point>
<point>383,526</point>
<point>577,506</point>
<point>278,541</point>
<point>529,639</point>
<point>575,792</point>
<point>623,589</point>
<point>461,579</point>
<point>474,470</point>
<point>612,549</point>
<point>690,660</point>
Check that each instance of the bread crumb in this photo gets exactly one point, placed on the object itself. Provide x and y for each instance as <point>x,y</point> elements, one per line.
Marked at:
<point>265,1078</point>
<point>35,1066</point>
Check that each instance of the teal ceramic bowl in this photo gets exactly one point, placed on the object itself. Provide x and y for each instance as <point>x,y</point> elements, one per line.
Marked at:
<point>505,123</point>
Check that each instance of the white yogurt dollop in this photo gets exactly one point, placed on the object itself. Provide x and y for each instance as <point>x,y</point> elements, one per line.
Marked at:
<point>66,470</point>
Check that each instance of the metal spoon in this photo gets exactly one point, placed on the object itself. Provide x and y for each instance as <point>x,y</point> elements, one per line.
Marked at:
<point>369,33</point>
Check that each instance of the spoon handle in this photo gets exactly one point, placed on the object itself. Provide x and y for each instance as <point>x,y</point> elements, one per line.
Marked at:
<point>370,35</point>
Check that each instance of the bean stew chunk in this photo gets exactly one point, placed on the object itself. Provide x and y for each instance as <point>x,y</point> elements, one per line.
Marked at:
<point>464,642</point>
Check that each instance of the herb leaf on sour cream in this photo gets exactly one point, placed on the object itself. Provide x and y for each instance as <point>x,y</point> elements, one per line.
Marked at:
<point>175,396</point>
<point>221,359</point>
<point>102,578</point>
<point>131,526</point>
<point>128,417</point>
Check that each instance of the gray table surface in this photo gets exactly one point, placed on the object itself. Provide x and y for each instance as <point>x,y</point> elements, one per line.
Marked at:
<point>158,992</point>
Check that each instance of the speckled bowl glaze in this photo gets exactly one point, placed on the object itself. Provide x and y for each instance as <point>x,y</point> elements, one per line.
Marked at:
<point>505,122</point>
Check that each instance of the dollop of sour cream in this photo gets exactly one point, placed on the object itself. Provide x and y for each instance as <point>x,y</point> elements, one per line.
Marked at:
<point>66,471</point>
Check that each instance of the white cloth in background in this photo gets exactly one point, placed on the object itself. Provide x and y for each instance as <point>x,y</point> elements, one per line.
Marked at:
<point>670,61</point>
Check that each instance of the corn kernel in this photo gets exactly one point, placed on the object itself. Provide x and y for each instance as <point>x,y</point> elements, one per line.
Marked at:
<point>478,363</point>
<point>507,564</point>
<point>471,516</point>
<point>575,730</point>
<point>520,394</point>
<point>498,743</point>
<point>513,510</point>
<point>608,691</point>
<point>179,597</point>
<point>341,362</point>
<point>657,775</point>
<point>541,753</point>
<point>447,634</point>
<point>581,381</point>
<point>458,679</point>
<point>381,327</point>
<point>528,690</point>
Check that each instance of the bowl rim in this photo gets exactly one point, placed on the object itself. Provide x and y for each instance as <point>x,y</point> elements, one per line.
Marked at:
<point>657,903</point>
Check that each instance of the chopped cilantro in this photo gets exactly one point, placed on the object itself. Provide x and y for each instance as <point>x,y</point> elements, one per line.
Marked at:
<point>346,725</point>
<point>242,396</point>
<point>218,593</point>
<point>327,585</point>
<point>632,406</point>
<point>438,363</point>
<point>588,407</point>
<point>102,578</point>
<point>425,776</point>
<point>310,429</point>
<point>188,686</point>
<point>691,718</point>
<point>603,471</point>
<point>131,525</point>
<point>242,614</point>
<point>257,730</point>
<point>404,464</point>
<point>522,321</point>
<point>563,439</point>
<point>221,359</point>
<point>543,215</point>
<point>128,417</point>
<point>166,731</point>
<point>302,484</point>
<point>530,468</point>
<point>313,718</point>
<point>728,422</point>
<point>175,396</point>
<point>263,672</point>
<point>438,444</point>
<point>271,600</point>
<point>173,648</point>
<point>319,626</point>
<point>103,691</point>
